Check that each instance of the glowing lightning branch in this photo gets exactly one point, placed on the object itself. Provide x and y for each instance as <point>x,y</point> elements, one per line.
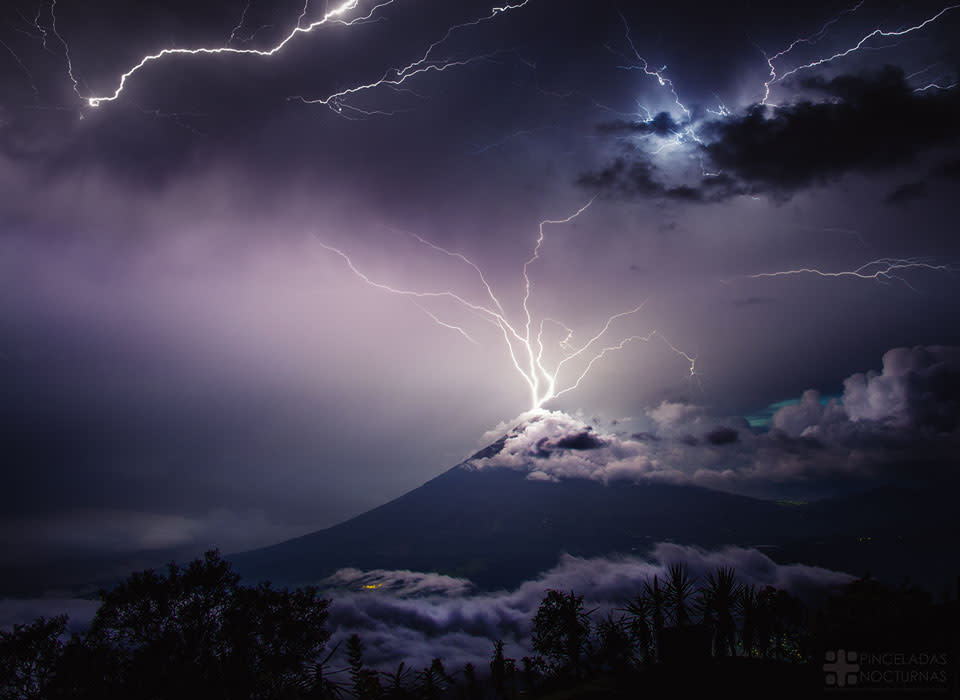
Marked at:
<point>392,78</point>
<point>66,47</point>
<point>860,44</point>
<point>396,77</point>
<point>810,40</point>
<point>23,68</point>
<point>526,351</point>
<point>334,16</point>
<point>644,65</point>
<point>881,270</point>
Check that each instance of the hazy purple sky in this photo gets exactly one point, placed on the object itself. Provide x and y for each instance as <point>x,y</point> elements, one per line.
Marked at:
<point>183,364</point>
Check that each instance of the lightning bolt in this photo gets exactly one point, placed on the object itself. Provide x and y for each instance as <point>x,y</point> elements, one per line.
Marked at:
<point>334,16</point>
<point>882,270</point>
<point>859,45</point>
<point>526,350</point>
<point>810,40</point>
<point>23,68</point>
<point>936,86</point>
<point>396,77</point>
<point>644,65</point>
<point>393,78</point>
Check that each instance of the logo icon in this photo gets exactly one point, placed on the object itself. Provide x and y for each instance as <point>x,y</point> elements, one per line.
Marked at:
<point>841,668</point>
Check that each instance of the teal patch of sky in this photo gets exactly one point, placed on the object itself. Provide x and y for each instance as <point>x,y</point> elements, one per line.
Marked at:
<point>763,418</point>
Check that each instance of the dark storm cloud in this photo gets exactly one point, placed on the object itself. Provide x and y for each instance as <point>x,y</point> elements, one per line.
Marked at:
<point>722,436</point>
<point>581,441</point>
<point>860,123</point>
<point>637,177</point>
<point>850,123</point>
<point>663,125</point>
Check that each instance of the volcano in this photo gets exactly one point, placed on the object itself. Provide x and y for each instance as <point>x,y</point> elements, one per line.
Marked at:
<point>498,527</point>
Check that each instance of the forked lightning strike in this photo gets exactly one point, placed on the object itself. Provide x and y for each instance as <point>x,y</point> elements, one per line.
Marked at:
<point>330,17</point>
<point>392,78</point>
<point>881,270</point>
<point>396,77</point>
<point>810,40</point>
<point>878,32</point>
<point>525,350</point>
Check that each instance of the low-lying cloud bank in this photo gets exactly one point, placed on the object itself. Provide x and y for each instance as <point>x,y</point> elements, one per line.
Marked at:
<point>415,617</point>
<point>901,423</point>
<point>398,621</point>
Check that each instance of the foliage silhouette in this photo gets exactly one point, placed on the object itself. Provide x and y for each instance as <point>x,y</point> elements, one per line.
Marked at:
<point>560,631</point>
<point>196,632</point>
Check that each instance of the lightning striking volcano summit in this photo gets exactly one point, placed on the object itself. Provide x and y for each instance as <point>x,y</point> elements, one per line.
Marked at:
<point>719,238</point>
<point>525,349</point>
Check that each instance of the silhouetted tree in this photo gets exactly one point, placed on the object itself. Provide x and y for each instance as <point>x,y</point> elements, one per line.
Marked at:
<point>397,682</point>
<point>432,681</point>
<point>616,650</point>
<point>198,631</point>
<point>656,597</point>
<point>718,604</point>
<point>28,657</point>
<point>502,672</point>
<point>748,605</point>
<point>364,682</point>
<point>639,612</point>
<point>471,685</point>
<point>560,631</point>
<point>680,593</point>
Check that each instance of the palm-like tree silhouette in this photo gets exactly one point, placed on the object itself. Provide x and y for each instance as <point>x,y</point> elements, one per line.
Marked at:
<point>397,683</point>
<point>657,605</point>
<point>717,603</point>
<point>748,606</point>
<point>639,611</point>
<point>681,592</point>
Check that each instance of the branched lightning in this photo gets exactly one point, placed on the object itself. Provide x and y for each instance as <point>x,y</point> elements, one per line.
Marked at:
<point>392,78</point>
<point>23,68</point>
<point>810,40</point>
<point>883,270</point>
<point>526,350</point>
<point>860,44</point>
<point>396,77</point>
<point>334,16</point>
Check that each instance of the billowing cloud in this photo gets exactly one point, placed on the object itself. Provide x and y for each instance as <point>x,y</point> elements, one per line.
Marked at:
<point>912,406</point>
<point>415,627</point>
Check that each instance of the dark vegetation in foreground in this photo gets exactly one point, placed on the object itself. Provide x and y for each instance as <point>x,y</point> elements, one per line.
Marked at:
<point>197,633</point>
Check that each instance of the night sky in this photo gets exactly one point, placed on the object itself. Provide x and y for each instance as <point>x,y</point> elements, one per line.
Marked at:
<point>185,362</point>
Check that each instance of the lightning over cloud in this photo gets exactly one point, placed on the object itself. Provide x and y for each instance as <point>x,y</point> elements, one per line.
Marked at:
<point>864,40</point>
<point>525,349</point>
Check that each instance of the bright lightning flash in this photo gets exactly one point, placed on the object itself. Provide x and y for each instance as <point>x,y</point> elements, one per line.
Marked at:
<point>544,380</point>
<point>334,16</point>
<point>393,78</point>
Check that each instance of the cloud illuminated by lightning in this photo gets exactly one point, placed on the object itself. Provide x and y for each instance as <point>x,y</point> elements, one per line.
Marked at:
<point>526,350</point>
